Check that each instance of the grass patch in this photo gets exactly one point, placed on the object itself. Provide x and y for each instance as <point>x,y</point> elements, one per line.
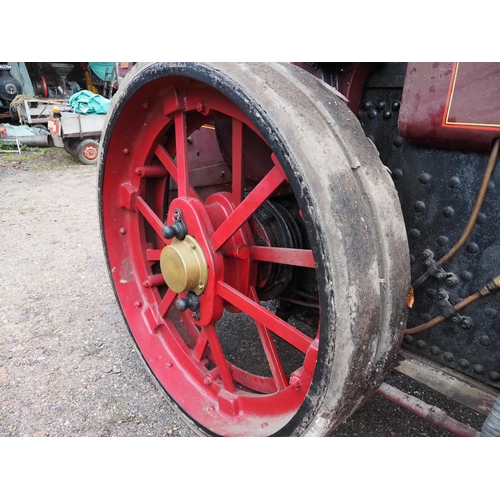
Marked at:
<point>36,159</point>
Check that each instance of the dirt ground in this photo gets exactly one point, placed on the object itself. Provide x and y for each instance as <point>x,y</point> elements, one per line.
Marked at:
<point>67,364</point>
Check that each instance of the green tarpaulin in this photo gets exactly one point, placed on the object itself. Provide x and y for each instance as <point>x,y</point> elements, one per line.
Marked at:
<point>88,103</point>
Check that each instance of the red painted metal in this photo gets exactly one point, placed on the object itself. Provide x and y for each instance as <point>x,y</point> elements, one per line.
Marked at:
<point>451,105</point>
<point>183,350</point>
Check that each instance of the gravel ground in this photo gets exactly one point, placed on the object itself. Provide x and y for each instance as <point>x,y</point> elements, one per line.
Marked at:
<point>67,364</point>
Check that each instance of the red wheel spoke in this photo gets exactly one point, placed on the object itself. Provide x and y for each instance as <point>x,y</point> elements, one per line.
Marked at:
<point>270,350</point>
<point>219,358</point>
<point>167,161</point>
<point>290,256</point>
<point>201,345</point>
<point>261,315</point>
<point>181,155</point>
<point>153,254</point>
<point>167,302</point>
<point>248,206</point>
<point>149,215</point>
<point>237,161</point>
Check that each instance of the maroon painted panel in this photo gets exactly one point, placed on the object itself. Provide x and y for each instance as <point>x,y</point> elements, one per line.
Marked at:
<point>451,105</point>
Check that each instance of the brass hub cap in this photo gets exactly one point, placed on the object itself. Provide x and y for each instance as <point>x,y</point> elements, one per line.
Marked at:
<point>183,266</point>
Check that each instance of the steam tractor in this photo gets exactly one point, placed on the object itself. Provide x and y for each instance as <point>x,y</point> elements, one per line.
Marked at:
<point>280,236</point>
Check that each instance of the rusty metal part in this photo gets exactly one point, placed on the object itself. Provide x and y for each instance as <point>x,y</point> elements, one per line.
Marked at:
<point>431,414</point>
<point>183,266</point>
<point>448,382</point>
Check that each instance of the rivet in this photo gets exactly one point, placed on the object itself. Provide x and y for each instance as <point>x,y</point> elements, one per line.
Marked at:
<point>485,340</point>
<point>424,178</point>
<point>146,284</point>
<point>397,174</point>
<point>454,182</point>
<point>419,206</point>
<point>481,218</point>
<point>138,303</point>
<point>189,140</point>
<point>448,212</point>
<point>126,151</point>
<point>396,105</point>
<point>490,313</point>
<point>372,113</point>
<point>442,240</point>
<point>211,409</point>
<point>398,141</point>
<point>495,376</point>
<point>421,344</point>
<point>472,248</point>
<point>479,369</point>
<point>387,115</point>
<point>123,230</point>
<point>448,356</point>
<point>414,234</point>
<point>381,105</point>
<point>409,339</point>
<point>466,275</point>
<point>425,317</point>
<point>145,105</point>
<point>435,350</point>
<point>264,425</point>
<point>367,105</point>
<point>463,363</point>
<point>168,364</point>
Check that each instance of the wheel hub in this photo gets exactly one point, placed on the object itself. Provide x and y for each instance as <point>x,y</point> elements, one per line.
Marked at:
<point>183,266</point>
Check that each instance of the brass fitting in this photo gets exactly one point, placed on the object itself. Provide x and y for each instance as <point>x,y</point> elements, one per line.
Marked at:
<point>183,266</point>
<point>492,286</point>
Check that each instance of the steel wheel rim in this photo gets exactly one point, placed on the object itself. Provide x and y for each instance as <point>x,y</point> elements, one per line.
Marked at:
<point>230,409</point>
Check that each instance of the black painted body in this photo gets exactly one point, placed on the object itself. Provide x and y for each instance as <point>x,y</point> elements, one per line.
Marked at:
<point>438,189</point>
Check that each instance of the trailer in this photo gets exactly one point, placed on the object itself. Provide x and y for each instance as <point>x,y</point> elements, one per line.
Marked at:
<point>79,134</point>
<point>281,236</point>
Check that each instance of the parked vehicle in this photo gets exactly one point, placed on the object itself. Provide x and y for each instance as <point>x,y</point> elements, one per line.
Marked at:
<point>78,134</point>
<point>280,236</point>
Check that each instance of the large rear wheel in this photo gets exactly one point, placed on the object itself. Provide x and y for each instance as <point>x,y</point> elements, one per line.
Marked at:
<point>255,244</point>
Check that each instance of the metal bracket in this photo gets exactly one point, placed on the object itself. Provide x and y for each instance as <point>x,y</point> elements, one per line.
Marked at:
<point>448,311</point>
<point>438,272</point>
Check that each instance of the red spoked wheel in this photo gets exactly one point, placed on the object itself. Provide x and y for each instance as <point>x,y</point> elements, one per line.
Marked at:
<point>255,244</point>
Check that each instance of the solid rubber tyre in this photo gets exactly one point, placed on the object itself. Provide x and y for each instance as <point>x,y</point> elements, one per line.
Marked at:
<point>87,151</point>
<point>354,226</point>
<point>70,145</point>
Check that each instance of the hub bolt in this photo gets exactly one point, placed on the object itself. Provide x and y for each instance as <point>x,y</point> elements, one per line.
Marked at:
<point>177,230</point>
<point>191,302</point>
